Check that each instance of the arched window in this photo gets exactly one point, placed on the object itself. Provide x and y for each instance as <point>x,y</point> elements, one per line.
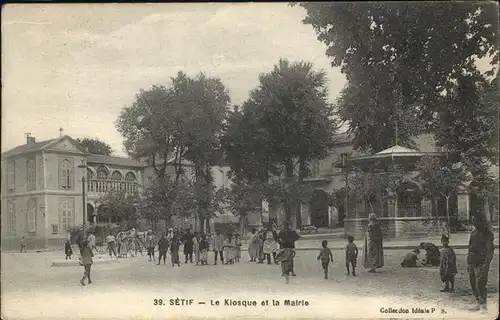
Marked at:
<point>31,175</point>
<point>66,174</point>
<point>130,177</point>
<point>117,176</point>
<point>90,174</point>
<point>32,215</point>
<point>102,173</point>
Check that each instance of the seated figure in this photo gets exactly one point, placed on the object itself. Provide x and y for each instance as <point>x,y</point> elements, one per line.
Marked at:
<point>411,259</point>
<point>432,254</point>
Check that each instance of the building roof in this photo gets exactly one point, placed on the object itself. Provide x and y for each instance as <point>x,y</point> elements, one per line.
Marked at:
<point>41,145</point>
<point>117,161</point>
<point>396,149</point>
<point>26,148</point>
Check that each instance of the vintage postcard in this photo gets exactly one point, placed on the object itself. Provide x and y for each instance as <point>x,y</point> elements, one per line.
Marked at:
<point>250,160</point>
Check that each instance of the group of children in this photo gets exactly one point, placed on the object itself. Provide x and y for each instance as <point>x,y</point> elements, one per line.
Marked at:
<point>351,256</point>
<point>231,249</point>
<point>445,259</point>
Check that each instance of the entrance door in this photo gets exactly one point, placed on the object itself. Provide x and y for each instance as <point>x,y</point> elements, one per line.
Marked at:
<point>319,208</point>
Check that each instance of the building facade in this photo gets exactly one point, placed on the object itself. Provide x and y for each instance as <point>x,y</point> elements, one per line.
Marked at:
<point>400,218</point>
<point>42,184</point>
<point>41,189</point>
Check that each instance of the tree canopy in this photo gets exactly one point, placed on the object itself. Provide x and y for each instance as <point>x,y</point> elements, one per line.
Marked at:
<point>168,126</point>
<point>95,146</point>
<point>286,122</point>
<point>400,58</point>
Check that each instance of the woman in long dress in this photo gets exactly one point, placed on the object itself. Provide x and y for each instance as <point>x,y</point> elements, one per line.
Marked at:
<point>253,248</point>
<point>270,247</point>
<point>196,247</point>
<point>373,250</point>
<point>262,238</point>
<point>229,249</point>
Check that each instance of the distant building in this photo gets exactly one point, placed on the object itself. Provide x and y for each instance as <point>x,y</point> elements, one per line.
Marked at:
<point>329,175</point>
<point>42,188</point>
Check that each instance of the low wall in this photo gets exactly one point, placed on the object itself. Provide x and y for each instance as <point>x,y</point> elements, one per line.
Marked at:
<point>398,227</point>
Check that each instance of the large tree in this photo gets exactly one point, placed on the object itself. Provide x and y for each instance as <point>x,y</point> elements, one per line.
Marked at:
<point>400,58</point>
<point>95,146</point>
<point>153,129</point>
<point>205,102</point>
<point>292,120</point>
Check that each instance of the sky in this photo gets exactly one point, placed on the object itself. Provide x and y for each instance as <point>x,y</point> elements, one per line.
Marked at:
<point>75,66</point>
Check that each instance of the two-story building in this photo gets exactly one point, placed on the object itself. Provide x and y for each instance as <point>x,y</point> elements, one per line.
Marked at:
<point>42,194</point>
<point>41,190</point>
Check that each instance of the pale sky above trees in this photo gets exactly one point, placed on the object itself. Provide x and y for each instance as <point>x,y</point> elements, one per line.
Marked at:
<point>76,66</point>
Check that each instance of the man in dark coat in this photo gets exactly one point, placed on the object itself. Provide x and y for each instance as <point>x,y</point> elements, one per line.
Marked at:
<point>286,239</point>
<point>187,240</point>
<point>479,257</point>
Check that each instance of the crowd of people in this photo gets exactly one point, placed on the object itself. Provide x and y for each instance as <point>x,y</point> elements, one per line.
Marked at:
<point>278,246</point>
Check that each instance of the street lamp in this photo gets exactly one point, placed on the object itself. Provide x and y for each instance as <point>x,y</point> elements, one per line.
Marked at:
<point>84,207</point>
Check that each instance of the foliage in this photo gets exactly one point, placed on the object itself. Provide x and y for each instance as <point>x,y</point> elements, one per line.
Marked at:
<point>168,125</point>
<point>153,128</point>
<point>118,203</point>
<point>439,178</point>
<point>468,128</point>
<point>291,107</point>
<point>205,101</point>
<point>374,183</point>
<point>95,146</point>
<point>245,146</point>
<point>400,59</point>
<point>286,121</point>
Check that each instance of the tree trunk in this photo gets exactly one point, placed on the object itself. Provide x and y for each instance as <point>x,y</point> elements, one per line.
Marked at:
<point>302,175</point>
<point>448,214</point>
<point>287,206</point>
<point>202,225</point>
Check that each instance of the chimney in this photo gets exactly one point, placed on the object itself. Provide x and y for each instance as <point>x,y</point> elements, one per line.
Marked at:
<point>30,140</point>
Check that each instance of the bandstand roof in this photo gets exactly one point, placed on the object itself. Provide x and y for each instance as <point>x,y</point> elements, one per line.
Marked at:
<point>397,151</point>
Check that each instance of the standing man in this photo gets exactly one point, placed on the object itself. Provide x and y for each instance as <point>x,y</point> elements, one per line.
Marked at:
<point>150,244</point>
<point>217,246</point>
<point>479,257</point>
<point>187,240</point>
<point>286,239</point>
<point>110,239</point>
<point>162,249</point>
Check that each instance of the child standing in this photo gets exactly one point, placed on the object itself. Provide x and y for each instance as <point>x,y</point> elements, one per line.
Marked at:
<point>86,261</point>
<point>448,265</point>
<point>162,249</point>
<point>285,256</point>
<point>203,249</point>
<point>325,255</point>
<point>23,244</point>
<point>351,255</point>
<point>174,250</point>
<point>237,241</point>
<point>229,249</point>
<point>67,250</point>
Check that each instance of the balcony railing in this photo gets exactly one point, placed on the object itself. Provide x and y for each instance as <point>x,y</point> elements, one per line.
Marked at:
<point>104,186</point>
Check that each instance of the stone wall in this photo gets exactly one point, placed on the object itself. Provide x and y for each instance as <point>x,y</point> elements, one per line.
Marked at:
<point>405,227</point>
